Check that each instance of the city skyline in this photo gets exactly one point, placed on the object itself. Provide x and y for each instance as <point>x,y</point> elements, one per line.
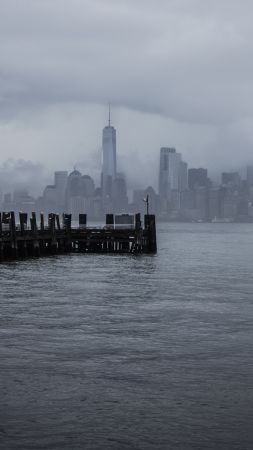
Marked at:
<point>176,117</point>
<point>82,154</point>
<point>182,193</point>
<point>53,96</point>
<point>31,173</point>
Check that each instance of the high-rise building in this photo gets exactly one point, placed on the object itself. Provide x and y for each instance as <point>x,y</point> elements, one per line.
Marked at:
<point>197,178</point>
<point>49,202</point>
<point>60,182</point>
<point>119,194</point>
<point>88,186</point>
<point>230,178</point>
<point>183,176</point>
<point>74,194</point>
<point>169,171</point>
<point>215,200</point>
<point>201,197</point>
<point>109,165</point>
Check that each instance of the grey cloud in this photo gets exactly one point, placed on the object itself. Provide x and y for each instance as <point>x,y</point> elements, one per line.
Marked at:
<point>181,70</point>
<point>188,60</point>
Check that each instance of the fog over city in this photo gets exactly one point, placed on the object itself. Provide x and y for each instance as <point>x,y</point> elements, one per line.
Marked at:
<point>177,73</point>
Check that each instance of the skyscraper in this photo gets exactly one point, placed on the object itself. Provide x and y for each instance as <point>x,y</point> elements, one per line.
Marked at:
<point>183,176</point>
<point>74,194</point>
<point>109,165</point>
<point>230,178</point>
<point>197,178</point>
<point>60,182</point>
<point>169,171</point>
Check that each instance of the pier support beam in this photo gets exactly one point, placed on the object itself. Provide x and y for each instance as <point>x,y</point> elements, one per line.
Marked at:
<point>42,224</point>
<point>23,249</point>
<point>1,251</point>
<point>36,248</point>
<point>23,222</point>
<point>150,227</point>
<point>66,219</point>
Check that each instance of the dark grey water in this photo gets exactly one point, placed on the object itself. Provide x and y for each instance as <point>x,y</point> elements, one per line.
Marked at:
<point>122,352</point>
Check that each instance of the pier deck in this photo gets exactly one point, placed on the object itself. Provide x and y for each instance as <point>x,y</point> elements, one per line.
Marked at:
<point>30,239</point>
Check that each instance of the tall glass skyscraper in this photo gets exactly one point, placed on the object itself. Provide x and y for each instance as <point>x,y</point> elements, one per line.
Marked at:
<point>109,165</point>
<point>169,171</point>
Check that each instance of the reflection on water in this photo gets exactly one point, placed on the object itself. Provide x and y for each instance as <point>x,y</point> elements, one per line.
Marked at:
<point>131,352</point>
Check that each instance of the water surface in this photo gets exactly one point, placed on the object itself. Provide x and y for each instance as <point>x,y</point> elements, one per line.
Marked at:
<point>131,352</point>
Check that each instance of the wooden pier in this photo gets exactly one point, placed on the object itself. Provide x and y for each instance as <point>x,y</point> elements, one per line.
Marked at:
<point>29,238</point>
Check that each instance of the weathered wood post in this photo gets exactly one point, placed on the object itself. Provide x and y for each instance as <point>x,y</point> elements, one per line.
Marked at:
<point>42,243</point>
<point>150,228</point>
<point>53,241</point>
<point>14,246</point>
<point>58,228</point>
<point>82,244</point>
<point>57,218</point>
<point>109,222</point>
<point>138,222</point>
<point>33,223</point>
<point>42,222</point>
<point>23,224</point>
<point>66,219</point>
<point>6,218</point>
<point>34,231</point>
<point>137,245</point>
<point>1,240</point>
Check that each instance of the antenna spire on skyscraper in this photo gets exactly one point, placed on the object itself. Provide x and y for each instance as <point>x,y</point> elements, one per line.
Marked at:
<point>109,118</point>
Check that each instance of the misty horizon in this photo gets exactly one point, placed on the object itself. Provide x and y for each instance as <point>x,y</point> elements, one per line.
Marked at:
<point>182,77</point>
<point>16,174</point>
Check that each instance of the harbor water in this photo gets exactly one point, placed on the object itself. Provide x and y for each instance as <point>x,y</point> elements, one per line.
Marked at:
<point>127,352</point>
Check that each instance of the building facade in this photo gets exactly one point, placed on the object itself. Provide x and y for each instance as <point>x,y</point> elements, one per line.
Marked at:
<point>169,171</point>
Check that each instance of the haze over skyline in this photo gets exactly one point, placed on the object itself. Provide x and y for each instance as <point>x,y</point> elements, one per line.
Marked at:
<point>178,73</point>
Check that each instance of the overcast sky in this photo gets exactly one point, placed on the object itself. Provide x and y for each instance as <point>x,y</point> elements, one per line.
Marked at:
<point>177,72</point>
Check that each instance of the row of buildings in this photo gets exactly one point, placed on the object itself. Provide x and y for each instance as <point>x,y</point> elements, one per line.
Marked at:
<point>183,194</point>
<point>188,194</point>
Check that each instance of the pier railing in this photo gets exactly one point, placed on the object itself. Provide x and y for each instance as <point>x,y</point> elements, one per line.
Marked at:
<point>33,237</point>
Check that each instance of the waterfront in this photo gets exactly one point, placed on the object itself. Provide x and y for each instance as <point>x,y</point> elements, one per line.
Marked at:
<point>131,352</point>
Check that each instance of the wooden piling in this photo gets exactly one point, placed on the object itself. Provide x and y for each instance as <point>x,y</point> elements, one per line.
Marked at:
<point>66,219</point>
<point>53,240</point>
<point>42,223</point>
<point>150,227</point>
<point>57,219</point>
